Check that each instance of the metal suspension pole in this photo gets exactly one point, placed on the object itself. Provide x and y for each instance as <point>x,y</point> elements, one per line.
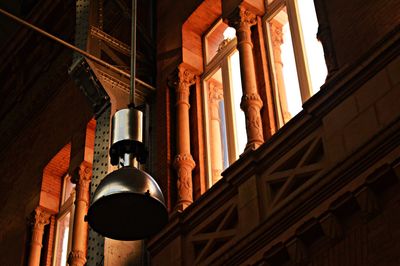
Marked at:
<point>133,56</point>
<point>74,48</point>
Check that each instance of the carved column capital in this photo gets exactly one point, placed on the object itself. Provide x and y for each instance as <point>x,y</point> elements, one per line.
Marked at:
<point>276,34</point>
<point>241,17</point>
<point>40,218</point>
<point>185,79</point>
<point>215,95</point>
<point>76,258</point>
<point>82,177</point>
<point>242,20</point>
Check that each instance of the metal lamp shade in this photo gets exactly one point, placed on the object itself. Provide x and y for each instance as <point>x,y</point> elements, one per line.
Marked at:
<point>127,205</point>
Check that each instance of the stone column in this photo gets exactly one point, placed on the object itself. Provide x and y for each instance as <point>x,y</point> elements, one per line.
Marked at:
<point>183,163</point>
<point>41,218</point>
<point>251,102</point>
<point>77,256</point>
<point>215,95</point>
<point>277,40</point>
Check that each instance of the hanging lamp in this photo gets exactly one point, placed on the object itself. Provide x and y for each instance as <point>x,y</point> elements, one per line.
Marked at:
<point>128,204</point>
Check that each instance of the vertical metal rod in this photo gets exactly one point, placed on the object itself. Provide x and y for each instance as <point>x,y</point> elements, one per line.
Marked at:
<point>133,55</point>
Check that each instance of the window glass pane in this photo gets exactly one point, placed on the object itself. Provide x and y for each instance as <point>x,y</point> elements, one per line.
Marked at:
<point>239,118</point>
<point>217,39</point>
<point>313,48</point>
<point>287,91</point>
<point>216,126</point>
<point>61,251</point>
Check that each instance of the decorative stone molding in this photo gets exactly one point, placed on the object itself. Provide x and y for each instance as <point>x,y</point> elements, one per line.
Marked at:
<point>242,20</point>
<point>76,258</point>
<point>251,104</point>
<point>183,163</point>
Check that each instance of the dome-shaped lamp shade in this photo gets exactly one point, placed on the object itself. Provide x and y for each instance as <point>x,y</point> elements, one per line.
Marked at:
<point>127,205</point>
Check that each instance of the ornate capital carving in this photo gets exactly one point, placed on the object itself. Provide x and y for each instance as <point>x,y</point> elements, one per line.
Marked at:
<point>215,92</point>
<point>215,95</point>
<point>40,218</point>
<point>276,34</point>
<point>76,258</point>
<point>181,80</point>
<point>242,17</point>
<point>83,174</point>
<point>82,177</point>
<point>186,77</point>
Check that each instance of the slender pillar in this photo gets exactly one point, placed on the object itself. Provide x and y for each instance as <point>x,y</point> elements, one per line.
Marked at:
<point>77,256</point>
<point>215,95</point>
<point>277,41</point>
<point>251,102</point>
<point>183,163</point>
<point>41,218</point>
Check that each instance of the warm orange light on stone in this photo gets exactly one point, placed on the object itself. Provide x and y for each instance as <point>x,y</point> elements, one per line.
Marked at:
<point>77,256</point>
<point>41,218</point>
<point>251,103</point>
<point>183,163</point>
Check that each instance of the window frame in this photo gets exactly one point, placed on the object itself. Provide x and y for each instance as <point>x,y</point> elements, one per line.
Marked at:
<point>66,206</point>
<point>220,61</point>
<point>302,70</point>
